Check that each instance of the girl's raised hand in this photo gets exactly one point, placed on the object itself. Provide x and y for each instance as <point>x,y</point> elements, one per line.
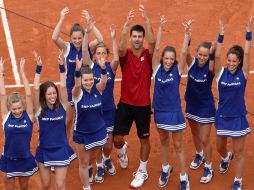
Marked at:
<point>37,58</point>
<point>78,63</point>
<point>64,12</point>
<point>113,31</point>
<point>2,61</point>
<point>22,64</point>
<point>249,24</point>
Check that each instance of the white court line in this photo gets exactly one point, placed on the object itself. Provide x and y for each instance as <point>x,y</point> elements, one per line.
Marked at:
<point>57,83</point>
<point>9,44</point>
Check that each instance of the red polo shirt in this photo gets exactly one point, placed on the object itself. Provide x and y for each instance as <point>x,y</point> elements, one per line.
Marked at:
<point>136,78</point>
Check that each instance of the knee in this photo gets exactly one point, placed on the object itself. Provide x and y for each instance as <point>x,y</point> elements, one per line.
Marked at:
<point>83,163</point>
<point>239,153</point>
<point>178,147</point>
<point>24,186</point>
<point>205,139</point>
<point>164,141</point>
<point>60,185</point>
<point>45,186</point>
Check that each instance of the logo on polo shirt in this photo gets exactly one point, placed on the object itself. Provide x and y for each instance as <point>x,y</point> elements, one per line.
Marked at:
<point>142,58</point>
<point>237,78</point>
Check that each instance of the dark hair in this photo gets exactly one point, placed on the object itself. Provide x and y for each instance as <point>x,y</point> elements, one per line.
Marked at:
<point>205,44</point>
<point>137,28</point>
<point>43,89</point>
<point>101,44</point>
<point>239,52</point>
<point>168,49</point>
<point>86,69</point>
<point>76,28</point>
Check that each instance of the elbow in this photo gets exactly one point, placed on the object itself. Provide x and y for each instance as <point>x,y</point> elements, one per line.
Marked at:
<point>54,38</point>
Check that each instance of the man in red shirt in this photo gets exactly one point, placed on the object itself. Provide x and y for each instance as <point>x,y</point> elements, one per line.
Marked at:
<point>134,103</point>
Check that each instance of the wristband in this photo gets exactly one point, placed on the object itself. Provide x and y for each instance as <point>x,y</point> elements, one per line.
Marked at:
<point>248,36</point>
<point>220,38</point>
<point>38,69</point>
<point>77,74</point>
<point>103,71</point>
<point>61,68</point>
<point>211,57</point>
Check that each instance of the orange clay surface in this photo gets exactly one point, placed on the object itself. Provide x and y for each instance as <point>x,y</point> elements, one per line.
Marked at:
<point>28,36</point>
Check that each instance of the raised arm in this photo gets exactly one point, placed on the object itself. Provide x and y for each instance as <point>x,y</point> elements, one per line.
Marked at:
<point>156,54</point>
<point>77,86</point>
<point>124,34</point>
<point>115,62</point>
<point>61,44</point>
<point>149,29</point>
<point>217,63</point>
<point>3,99</point>
<point>29,99</point>
<point>246,57</point>
<point>96,32</point>
<point>184,52</point>
<point>211,57</point>
<point>37,76</point>
<point>63,90</point>
<point>103,81</point>
<point>85,51</point>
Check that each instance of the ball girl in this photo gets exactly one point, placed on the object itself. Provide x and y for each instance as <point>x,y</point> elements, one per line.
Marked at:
<point>50,106</point>
<point>89,128</point>
<point>168,114</point>
<point>17,115</point>
<point>231,114</point>
<point>101,51</point>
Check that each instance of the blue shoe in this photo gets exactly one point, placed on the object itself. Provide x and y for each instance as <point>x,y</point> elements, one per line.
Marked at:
<point>207,175</point>
<point>198,160</point>
<point>90,174</point>
<point>163,180</point>
<point>99,177</point>
<point>224,165</point>
<point>185,185</point>
<point>109,167</point>
<point>237,185</point>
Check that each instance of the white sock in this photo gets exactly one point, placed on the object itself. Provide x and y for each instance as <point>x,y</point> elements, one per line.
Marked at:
<point>238,179</point>
<point>86,188</point>
<point>183,177</point>
<point>226,159</point>
<point>208,165</point>
<point>121,151</point>
<point>165,168</point>
<point>200,153</point>
<point>105,157</point>
<point>142,166</point>
<point>99,164</point>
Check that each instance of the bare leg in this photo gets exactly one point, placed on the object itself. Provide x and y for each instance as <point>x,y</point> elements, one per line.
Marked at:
<point>45,174</point>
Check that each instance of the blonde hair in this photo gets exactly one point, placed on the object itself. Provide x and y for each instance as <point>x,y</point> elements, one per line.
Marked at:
<point>13,98</point>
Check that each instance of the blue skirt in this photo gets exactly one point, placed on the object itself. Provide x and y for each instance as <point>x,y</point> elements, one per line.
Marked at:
<point>109,118</point>
<point>203,115</point>
<point>232,126</point>
<point>55,157</point>
<point>169,121</point>
<point>21,167</point>
<point>91,140</point>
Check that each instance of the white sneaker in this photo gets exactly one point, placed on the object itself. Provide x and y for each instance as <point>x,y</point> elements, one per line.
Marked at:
<point>207,175</point>
<point>123,159</point>
<point>139,179</point>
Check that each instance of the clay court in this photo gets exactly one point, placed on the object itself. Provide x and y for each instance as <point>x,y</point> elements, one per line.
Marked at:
<point>28,35</point>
